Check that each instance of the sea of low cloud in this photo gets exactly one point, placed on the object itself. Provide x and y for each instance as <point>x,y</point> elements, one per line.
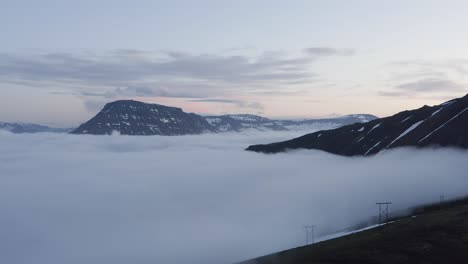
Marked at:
<point>78,199</point>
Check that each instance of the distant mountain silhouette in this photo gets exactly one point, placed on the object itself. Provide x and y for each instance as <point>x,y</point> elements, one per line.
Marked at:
<point>20,128</point>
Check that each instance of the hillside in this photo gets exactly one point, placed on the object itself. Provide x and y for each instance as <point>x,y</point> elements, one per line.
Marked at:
<point>440,125</point>
<point>436,234</point>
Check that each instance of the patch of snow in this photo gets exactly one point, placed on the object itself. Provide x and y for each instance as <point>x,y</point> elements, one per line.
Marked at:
<point>378,143</point>
<point>411,128</point>
<point>376,126</point>
<point>361,129</point>
<point>319,135</point>
<point>406,119</point>
<point>437,111</point>
<point>212,121</point>
<point>360,140</point>
<point>249,118</point>
<point>346,233</point>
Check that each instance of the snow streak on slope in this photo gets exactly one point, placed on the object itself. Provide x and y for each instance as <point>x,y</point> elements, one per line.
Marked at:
<point>411,128</point>
<point>374,127</point>
<point>443,125</point>
<point>346,233</point>
<point>376,145</point>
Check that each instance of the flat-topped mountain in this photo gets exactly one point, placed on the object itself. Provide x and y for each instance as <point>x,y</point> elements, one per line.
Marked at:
<point>130,117</point>
<point>441,125</point>
<point>136,118</point>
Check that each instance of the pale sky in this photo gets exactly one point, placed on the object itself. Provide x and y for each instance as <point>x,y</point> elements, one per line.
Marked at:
<point>61,61</point>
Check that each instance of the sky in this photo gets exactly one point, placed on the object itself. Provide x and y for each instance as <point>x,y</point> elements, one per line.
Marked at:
<point>61,61</point>
<point>196,199</point>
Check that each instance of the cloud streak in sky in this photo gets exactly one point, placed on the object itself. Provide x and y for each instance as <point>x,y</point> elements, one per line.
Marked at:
<point>194,199</point>
<point>239,103</point>
<point>419,78</point>
<point>431,85</point>
<point>124,67</point>
<point>327,51</point>
<point>171,73</point>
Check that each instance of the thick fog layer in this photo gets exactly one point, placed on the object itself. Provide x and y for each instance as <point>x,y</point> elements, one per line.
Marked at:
<point>194,199</point>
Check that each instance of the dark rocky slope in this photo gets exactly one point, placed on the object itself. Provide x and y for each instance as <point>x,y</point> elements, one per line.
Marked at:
<point>136,118</point>
<point>441,125</point>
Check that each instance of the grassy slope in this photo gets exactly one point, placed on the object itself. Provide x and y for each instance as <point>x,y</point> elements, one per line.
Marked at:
<point>438,234</point>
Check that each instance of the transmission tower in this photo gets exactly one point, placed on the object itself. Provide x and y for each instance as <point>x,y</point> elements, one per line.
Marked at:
<point>310,236</point>
<point>383,211</point>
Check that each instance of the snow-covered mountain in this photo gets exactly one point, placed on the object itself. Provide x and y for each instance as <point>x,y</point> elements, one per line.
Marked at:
<point>19,128</point>
<point>441,125</point>
<point>136,118</point>
<point>325,123</point>
<point>237,123</point>
<point>241,122</point>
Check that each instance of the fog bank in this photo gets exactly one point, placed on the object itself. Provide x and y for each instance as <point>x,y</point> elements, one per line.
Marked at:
<point>195,199</point>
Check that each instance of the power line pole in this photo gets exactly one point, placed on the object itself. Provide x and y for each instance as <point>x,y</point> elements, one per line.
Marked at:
<point>310,236</point>
<point>383,211</point>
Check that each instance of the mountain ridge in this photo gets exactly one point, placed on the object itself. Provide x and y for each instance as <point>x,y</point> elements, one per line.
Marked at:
<point>129,117</point>
<point>440,125</point>
<point>24,128</point>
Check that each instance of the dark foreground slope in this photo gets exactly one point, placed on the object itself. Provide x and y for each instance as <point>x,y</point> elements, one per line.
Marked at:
<point>437,235</point>
<point>441,125</point>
